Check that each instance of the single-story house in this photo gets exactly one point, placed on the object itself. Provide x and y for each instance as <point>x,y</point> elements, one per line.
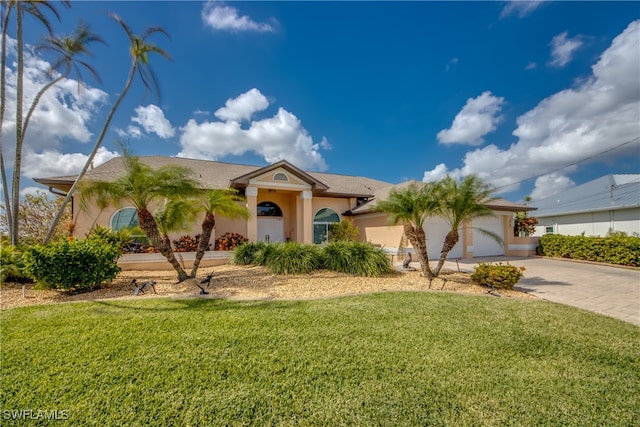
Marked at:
<point>610,203</point>
<point>289,204</point>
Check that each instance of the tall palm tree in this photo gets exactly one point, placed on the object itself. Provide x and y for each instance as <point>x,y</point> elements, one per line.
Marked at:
<point>217,202</point>
<point>411,206</point>
<point>35,9</point>
<point>460,202</point>
<point>139,48</point>
<point>143,186</point>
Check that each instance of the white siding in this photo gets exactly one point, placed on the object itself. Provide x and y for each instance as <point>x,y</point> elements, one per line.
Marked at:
<point>592,223</point>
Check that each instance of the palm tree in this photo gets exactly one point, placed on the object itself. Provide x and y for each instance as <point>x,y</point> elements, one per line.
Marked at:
<point>217,202</point>
<point>143,186</point>
<point>460,202</point>
<point>35,9</point>
<point>411,206</point>
<point>139,48</point>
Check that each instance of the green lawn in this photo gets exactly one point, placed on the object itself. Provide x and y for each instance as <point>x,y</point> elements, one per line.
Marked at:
<point>382,359</point>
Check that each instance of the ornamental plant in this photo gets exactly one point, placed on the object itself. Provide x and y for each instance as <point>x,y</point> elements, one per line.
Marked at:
<point>71,264</point>
<point>499,275</point>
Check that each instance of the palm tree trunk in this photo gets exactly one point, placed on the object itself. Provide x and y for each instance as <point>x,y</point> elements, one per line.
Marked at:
<point>103,132</point>
<point>150,227</point>
<point>3,103</point>
<point>15,182</point>
<point>449,242</point>
<point>418,240</point>
<point>207,227</point>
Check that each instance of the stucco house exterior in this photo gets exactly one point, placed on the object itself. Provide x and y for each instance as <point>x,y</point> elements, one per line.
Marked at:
<point>289,204</point>
<point>608,203</point>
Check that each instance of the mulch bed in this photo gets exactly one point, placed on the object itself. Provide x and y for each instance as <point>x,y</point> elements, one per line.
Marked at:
<point>250,283</point>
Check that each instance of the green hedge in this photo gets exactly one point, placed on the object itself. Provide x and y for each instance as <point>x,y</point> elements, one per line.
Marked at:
<point>73,264</point>
<point>621,250</point>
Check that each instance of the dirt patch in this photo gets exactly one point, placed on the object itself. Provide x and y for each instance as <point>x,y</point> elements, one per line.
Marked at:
<point>250,283</point>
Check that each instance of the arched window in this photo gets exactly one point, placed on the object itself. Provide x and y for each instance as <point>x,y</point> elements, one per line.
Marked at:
<point>269,209</point>
<point>125,218</point>
<point>280,177</point>
<point>321,222</point>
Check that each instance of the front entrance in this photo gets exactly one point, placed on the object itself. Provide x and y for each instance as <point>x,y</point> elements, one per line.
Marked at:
<point>270,223</point>
<point>270,230</point>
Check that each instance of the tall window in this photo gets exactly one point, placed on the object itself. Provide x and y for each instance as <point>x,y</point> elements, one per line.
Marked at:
<point>125,218</point>
<point>321,222</point>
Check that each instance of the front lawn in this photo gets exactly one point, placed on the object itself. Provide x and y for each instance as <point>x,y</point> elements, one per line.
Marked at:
<point>383,359</point>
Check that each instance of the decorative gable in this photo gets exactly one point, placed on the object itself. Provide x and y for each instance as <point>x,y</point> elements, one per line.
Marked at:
<point>280,175</point>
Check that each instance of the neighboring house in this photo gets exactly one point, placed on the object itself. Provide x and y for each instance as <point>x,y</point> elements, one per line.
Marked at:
<point>288,204</point>
<point>610,203</point>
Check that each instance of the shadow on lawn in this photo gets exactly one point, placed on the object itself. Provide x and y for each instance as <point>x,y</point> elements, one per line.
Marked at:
<point>196,303</point>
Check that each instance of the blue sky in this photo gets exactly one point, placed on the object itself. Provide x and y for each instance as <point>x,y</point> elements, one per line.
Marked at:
<point>528,95</point>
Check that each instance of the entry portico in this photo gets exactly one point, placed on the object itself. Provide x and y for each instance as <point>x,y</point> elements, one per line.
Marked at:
<point>280,195</point>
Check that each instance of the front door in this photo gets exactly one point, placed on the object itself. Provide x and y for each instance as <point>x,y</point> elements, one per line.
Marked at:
<point>270,230</point>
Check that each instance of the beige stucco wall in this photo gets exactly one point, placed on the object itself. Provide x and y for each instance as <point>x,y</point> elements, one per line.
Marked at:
<point>92,215</point>
<point>288,201</point>
<point>375,229</point>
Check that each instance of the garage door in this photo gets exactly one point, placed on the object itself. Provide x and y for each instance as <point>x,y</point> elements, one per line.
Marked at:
<point>484,245</point>
<point>436,230</point>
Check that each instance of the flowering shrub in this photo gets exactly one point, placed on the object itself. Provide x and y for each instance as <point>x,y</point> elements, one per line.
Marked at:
<point>229,241</point>
<point>497,275</point>
<point>523,224</point>
<point>187,244</point>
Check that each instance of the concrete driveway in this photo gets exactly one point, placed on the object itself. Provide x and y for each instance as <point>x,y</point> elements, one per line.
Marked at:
<point>613,291</point>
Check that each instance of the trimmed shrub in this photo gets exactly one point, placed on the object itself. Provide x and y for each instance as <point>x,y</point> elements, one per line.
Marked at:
<point>11,264</point>
<point>72,264</point>
<point>618,249</point>
<point>291,258</point>
<point>361,259</point>
<point>497,275</point>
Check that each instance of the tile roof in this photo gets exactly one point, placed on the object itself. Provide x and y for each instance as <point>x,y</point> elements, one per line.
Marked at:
<point>609,192</point>
<point>383,194</point>
<point>212,174</point>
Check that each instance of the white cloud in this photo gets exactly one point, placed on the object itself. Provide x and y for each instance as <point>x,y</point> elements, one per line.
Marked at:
<point>436,174</point>
<point>521,8</point>
<point>63,111</point>
<point>549,185</point>
<point>563,48</point>
<point>152,120</point>
<point>54,163</point>
<point>478,117</point>
<point>36,191</point>
<point>225,18</point>
<point>280,137</point>
<point>531,66</point>
<point>243,107</point>
<point>571,125</point>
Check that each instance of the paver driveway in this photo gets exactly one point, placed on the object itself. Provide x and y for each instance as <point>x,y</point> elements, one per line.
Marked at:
<point>612,291</point>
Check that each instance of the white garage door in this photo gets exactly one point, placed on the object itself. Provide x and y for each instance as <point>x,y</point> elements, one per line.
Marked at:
<point>436,230</point>
<point>484,245</point>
